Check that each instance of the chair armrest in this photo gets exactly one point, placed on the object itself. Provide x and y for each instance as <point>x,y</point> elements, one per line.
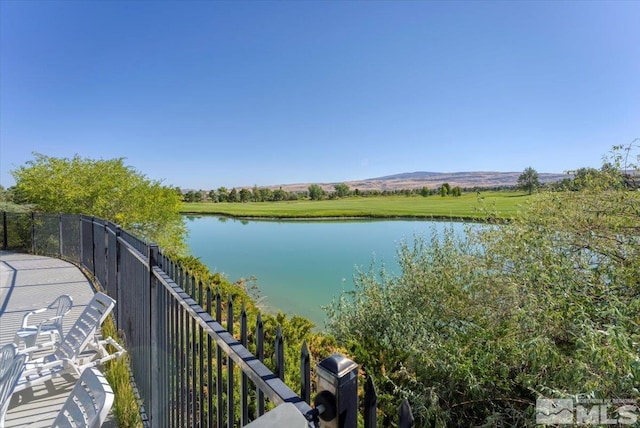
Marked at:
<point>36,367</point>
<point>51,345</point>
<point>25,318</point>
<point>50,319</point>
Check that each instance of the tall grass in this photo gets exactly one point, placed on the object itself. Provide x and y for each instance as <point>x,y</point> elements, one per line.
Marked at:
<point>125,406</point>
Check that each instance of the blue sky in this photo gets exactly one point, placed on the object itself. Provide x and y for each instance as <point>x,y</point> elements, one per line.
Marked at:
<point>202,94</point>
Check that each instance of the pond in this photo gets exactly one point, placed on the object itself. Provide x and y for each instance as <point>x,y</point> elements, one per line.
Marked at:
<point>300,266</point>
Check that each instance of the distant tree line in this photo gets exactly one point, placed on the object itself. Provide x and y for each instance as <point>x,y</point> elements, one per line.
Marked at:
<point>257,194</point>
<point>527,181</point>
<point>315,192</point>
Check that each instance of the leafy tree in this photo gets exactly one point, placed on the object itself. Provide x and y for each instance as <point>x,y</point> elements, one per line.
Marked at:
<point>255,194</point>
<point>477,326</point>
<point>425,191</point>
<point>223,194</point>
<point>445,189</point>
<point>583,178</point>
<point>212,196</point>
<point>315,192</point>
<point>266,194</point>
<point>245,195</point>
<point>280,195</point>
<point>193,196</point>
<point>456,191</point>
<point>528,180</point>
<point>105,188</point>
<point>9,199</point>
<point>233,196</point>
<point>342,190</point>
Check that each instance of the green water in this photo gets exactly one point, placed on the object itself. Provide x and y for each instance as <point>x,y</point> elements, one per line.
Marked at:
<point>301,265</point>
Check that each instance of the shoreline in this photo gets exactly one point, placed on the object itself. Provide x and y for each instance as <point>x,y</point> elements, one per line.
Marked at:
<point>348,218</point>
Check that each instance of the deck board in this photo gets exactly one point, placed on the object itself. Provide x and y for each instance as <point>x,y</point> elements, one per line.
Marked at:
<point>29,282</point>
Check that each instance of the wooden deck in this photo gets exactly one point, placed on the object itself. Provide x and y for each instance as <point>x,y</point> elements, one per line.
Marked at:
<point>29,282</point>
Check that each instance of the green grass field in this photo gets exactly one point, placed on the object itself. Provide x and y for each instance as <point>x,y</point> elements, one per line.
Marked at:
<point>468,206</point>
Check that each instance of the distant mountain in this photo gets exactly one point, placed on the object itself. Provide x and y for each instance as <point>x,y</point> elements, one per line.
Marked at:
<point>419,179</point>
<point>407,175</point>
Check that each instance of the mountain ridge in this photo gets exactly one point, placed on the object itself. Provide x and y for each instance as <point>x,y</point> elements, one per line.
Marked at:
<point>419,179</point>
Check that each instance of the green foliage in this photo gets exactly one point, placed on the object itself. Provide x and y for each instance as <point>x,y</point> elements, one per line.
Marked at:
<point>528,180</point>
<point>445,189</point>
<point>193,196</point>
<point>342,190</point>
<point>7,198</point>
<point>223,194</point>
<point>10,207</point>
<point>244,195</point>
<point>477,327</point>
<point>104,188</point>
<point>315,192</point>
<point>233,196</point>
<point>592,178</point>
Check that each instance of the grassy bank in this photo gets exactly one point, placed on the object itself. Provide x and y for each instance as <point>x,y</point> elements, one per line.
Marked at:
<point>468,206</point>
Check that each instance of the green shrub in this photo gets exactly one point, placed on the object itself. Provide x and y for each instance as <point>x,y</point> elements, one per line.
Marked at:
<point>477,327</point>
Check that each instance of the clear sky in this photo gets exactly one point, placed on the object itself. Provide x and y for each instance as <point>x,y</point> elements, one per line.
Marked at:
<point>203,94</point>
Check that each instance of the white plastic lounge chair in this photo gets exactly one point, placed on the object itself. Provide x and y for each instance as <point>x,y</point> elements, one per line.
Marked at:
<point>81,348</point>
<point>89,402</point>
<point>11,367</point>
<point>51,326</point>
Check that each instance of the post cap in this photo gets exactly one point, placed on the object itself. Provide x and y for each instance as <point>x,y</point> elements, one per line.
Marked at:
<point>338,364</point>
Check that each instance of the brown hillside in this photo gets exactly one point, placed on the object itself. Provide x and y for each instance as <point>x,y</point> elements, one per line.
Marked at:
<point>417,180</point>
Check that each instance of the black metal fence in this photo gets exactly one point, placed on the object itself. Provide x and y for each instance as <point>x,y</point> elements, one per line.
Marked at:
<point>191,371</point>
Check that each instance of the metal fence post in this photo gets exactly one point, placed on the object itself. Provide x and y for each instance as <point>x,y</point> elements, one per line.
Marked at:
<point>305,373</point>
<point>337,399</point>
<point>93,247</point>
<point>60,236</point>
<point>154,372</point>
<point>370,404</point>
<point>33,232</point>
<point>5,239</point>
<point>405,416</point>
<point>5,235</point>
<point>119,321</point>
<point>81,236</point>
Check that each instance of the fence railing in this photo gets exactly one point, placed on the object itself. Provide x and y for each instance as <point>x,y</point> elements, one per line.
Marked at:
<point>190,370</point>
